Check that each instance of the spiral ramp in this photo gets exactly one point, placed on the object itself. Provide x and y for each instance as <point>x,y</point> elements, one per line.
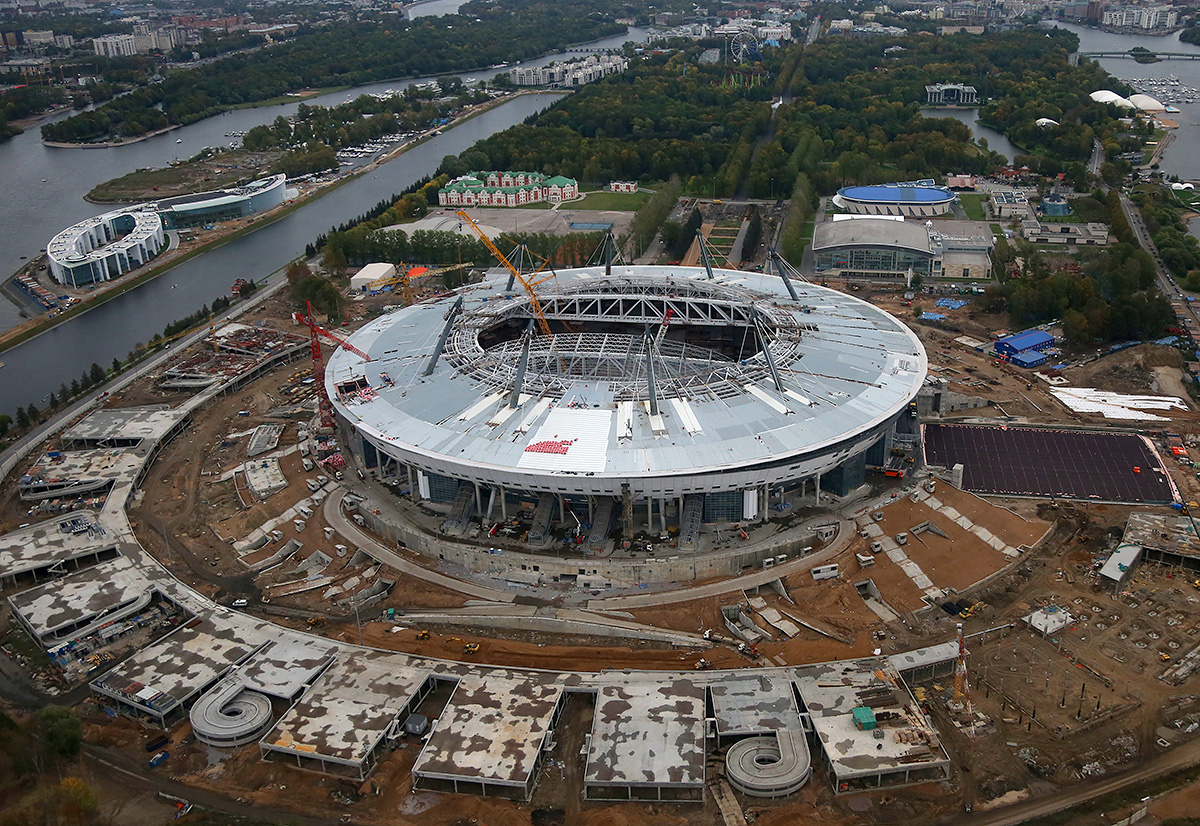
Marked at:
<point>229,714</point>
<point>769,766</point>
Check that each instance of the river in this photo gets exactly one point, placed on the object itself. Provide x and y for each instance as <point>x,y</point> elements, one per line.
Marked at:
<point>44,186</point>
<point>44,190</point>
<point>39,366</point>
<point>1179,158</point>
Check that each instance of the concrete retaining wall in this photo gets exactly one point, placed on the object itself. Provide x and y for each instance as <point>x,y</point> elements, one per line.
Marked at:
<point>597,572</point>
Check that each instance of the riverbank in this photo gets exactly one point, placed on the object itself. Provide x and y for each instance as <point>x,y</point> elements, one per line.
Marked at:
<point>231,231</point>
<point>111,144</point>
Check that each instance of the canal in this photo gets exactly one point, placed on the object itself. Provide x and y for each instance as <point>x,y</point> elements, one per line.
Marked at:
<point>39,366</point>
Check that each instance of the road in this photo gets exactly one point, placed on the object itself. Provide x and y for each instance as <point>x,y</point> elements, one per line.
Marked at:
<point>19,449</point>
<point>338,521</point>
<point>123,771</point>
<point>1178,758</point>
<point>1185,310</point>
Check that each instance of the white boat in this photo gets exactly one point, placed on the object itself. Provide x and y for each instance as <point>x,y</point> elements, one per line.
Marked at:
<point>179,140</point>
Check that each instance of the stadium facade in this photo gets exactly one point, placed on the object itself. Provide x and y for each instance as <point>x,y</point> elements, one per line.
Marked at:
<point>755,387</point>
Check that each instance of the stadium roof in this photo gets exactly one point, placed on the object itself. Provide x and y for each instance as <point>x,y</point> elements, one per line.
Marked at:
<point>843,367</point>
<point>898,193</point>
<point>872,232</point>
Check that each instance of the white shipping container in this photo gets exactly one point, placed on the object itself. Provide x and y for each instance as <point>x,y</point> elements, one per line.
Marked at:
<point>825,572</point>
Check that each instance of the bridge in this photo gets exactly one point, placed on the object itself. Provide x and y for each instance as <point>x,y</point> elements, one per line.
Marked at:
<point>1136,54</point>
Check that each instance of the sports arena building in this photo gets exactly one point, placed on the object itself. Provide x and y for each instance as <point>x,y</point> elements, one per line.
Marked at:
<point>916,199</point>
<point>754,389</point>
<point>889,250</point>
<point>106,246</point>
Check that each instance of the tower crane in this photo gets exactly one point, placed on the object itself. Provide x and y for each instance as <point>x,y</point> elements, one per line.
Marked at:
<point>543,324</point>
<point>962,687</point>
<point>315,333</point>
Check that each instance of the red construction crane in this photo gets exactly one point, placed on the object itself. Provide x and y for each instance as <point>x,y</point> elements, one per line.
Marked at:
<point>315,331</point>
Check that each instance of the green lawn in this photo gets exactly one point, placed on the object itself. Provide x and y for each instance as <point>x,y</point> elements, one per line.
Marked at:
<point>535,205</point>
<point>617,201</point>
<point>972,204</point>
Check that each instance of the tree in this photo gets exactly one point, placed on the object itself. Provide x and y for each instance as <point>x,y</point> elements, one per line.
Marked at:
<point>61,731</point>
<point>5,423</point>
<point>76,389</point>
<point>96,372</point>
<point>33,413</point>
<point>297,271</point>
<point>63,392</point>
<point>78,800</point>
<point>334,260</point>
<point>52,402</point>
<point>116,365</point>
<point>22,418</point>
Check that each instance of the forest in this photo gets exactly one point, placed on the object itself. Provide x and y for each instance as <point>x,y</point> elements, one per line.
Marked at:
<point>344,54</point>
<point>854,116</point>
<point>1110,295</point>
<point>24,102</point>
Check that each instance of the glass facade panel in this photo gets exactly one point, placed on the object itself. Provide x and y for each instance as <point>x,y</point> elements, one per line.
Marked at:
<point>877,260</point>
<point>724,506</point>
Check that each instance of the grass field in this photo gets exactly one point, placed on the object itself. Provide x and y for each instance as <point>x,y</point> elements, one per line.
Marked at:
<point>275,101</point>
<point>972,204</point>
<point>616,201</point>
<point>224,170</point>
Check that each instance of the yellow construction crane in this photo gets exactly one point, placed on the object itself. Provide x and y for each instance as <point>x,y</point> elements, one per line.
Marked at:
<point>403,277</point>
<point>543,324</point>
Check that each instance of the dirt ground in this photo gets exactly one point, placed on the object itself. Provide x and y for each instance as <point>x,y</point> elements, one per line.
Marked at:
<point>537,650</point>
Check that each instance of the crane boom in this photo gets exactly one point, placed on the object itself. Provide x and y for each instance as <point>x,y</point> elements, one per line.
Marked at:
<point>662,330</point>
<point>339,340</point>
<point>315,333</point>
<point>543,324</point>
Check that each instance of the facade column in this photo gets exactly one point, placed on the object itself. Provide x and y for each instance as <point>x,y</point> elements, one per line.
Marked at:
<point>478,499</point>
<point>662,514</point>
<point>503,504</point>
<point>562,508</point>
<point>817,490</point>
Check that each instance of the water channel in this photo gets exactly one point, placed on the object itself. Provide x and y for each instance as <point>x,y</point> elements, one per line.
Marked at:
<point>45,189</point>
<point>996,141</point>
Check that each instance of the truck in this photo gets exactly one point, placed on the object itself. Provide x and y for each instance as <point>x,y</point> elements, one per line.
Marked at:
<point>825,572</point>
<point>159,759</point>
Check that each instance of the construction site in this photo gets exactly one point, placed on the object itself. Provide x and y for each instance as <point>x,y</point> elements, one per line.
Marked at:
<point>316,627</point>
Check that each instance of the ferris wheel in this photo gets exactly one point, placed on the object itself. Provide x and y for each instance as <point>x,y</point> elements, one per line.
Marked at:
<point>741,46</point>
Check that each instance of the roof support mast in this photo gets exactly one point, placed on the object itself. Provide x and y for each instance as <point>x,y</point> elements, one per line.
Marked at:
<point>651,346</point>
<point>514,399</point>
<point>783,268</point>
<point>543,324</point>
<point>704,254</point>
<point>765,341</point>
<point>454,310</point>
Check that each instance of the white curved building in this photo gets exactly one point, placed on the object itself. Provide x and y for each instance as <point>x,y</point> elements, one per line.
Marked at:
<point>1109,96</point>
<point>755,388</point>
<point>1044,123</point>
<point>106,246</point>
<point>1146,103</point>
<point>223,204</point>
